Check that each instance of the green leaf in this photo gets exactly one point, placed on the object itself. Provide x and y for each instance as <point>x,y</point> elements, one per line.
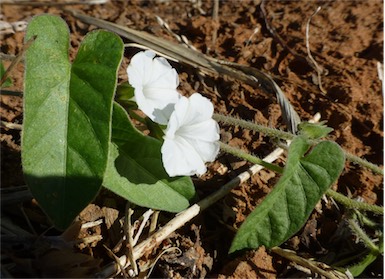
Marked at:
<point>135,170</point>
<point>372,255</point>
<point>360,267</point>
<point>124,92</point>
<point>156,130</point>
<point>314,130</point>
<point>285,210</point>
<point>67,116</point>
<point>8,81</point>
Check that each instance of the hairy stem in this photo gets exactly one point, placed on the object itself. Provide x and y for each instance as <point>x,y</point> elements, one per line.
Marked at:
<point>354,204</point>
<point>355,159</point>
<point>248,157</point>
<point>288,136</point>
<point>335,195</point>
<point>253,126</point>
<point>362,235</point>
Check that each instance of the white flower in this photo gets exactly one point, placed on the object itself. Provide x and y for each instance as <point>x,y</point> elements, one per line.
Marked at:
<point>155,83</point>
<point>191,137</point>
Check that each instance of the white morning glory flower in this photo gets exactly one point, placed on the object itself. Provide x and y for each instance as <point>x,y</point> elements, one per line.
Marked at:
<point>155,83</point>
<point>191,137</point>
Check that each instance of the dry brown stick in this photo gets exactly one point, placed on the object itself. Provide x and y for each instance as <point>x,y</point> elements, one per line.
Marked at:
<point>145,217</point>
<point>11,125</point>
<point>154,222</point>
<point>180,219</point>
<point>178,52</point>
<point>279,39</point>
<point>153,263</point>
<point>17,60</point>
<point>316,267</point>
<point>50,3</point>
<point>249,75</point>
<point>129,238</point>
<point>183,217</point>
<point>7,57</point>
<point>275,34</point>
<point>216,22</point>
<point>181,39</point>
<point>117,260</point>
<point>317,68</point>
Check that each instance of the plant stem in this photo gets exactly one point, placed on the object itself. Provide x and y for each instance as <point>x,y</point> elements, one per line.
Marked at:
<point>154,222</point>
<point>336,196</point>
<point>17,59</point>
<point>253,159</point>
<point>355,159</point>
<point>354,204</point>
<point>181,218</point>
<point>362,235</point>
<point>253,126</point>
<point>129,238</point>
<point>364,220</point>
<point>314,266</point>
<point>288,136</point>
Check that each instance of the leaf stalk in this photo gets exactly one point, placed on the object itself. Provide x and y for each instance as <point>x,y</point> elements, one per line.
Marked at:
<point>288,136</point>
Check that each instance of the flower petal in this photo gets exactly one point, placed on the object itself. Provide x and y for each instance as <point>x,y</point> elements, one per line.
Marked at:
<point>199,109</point>
<point>158,104</point>
<point>207,150</point>
<point>179,158</point>
<point>163,74</point>
<point>191,137</point>
<point>155,83</point>
<point>139,66</point>
<point>207,130</point>
<point>176,118</point>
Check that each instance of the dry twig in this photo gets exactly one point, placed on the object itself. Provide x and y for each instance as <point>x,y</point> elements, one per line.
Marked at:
<point>117,260</point>
<point>316,267</point>
<point>17,59</point>
<point>216,22</point>
<point>249,75</point>
<point>129,238</point>
<point>317,68</point>
<point>276,36</point>
<point>11,125</point>
<point>146,216</point>
<point>180,219</point>
<point>183,217</point>
<point>50,3</point>
<point>281,41</point>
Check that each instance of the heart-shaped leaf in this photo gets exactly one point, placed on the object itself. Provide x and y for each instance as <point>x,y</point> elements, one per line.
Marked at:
<point>67,116</point>
<point>135,170</point>
<point>287,207</point>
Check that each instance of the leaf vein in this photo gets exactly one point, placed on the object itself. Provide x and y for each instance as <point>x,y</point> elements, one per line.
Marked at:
<point>89,122</point>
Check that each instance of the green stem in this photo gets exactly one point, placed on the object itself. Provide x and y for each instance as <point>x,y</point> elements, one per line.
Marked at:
<point>355,159</point>
<point>354,204</point>
<point>362,235</point>
<point>288,136</point>
<point>253,159</point>
<point>253,126</point>
<point>347,202</point>
<point>364,220</point>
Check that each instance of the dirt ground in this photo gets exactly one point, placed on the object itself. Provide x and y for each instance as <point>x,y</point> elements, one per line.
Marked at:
<point>346,40</point>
